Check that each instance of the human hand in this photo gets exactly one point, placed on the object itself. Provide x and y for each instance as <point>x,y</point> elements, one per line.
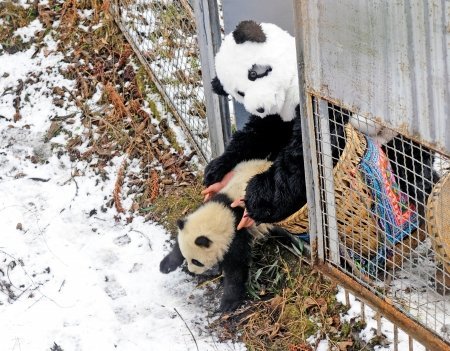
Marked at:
<point>216,187</point>
<point>245,221</point>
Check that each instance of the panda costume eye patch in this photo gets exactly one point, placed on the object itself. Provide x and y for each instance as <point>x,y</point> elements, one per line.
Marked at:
<point>258,71</point>
<point>197,263</point>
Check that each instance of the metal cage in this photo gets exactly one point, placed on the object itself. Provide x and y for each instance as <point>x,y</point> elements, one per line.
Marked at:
<point>377,227</point>
<point>377,202</point>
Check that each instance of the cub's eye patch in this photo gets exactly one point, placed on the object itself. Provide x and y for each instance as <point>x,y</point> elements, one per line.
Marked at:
<point>258,71</point>
<point>203,241</point>
<point>240,93</point>
<point>197,263</point>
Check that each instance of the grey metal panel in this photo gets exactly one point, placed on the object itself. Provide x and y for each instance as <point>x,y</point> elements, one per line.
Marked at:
<point>389,60</point>
<point>279,12</point>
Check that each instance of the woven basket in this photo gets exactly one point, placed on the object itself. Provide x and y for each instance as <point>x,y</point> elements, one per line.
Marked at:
<point>357,227</point>
<point>438,220</point>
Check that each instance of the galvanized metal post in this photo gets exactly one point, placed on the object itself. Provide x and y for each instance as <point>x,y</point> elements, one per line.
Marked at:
<point>209,39</point>
<point>328,183</point>
<point>309,144</point>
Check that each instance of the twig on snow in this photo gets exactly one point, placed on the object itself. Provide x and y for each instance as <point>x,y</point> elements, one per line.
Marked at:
<point>193,337</point>
<point>145,236</point>
<point>36,179</point>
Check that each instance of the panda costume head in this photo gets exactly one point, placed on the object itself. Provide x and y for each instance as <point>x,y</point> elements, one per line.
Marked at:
<point>257,65</point>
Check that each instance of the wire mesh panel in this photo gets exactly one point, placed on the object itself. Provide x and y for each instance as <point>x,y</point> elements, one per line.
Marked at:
<point>378,325</point>
<point>385,213</point>
<point>163,33</point>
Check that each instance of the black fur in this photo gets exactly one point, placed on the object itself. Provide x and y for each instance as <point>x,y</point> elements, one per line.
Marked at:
<point>203,241</point>
<point>235,267</point>
<point>275,194</point>
<point>258,71</point>
<point>249,31</point>
<point>172,261</point>
<point>180,224</point>
<point>260,138</point>
<point>217,87</point>
<point>413,166</point>
<point>281,190</point>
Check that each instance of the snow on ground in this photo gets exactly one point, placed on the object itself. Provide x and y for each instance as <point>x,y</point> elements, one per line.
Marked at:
<point>70,274</point>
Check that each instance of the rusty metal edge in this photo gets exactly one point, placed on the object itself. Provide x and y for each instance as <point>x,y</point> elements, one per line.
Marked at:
<point>157,83</point>
<point>430,340</point>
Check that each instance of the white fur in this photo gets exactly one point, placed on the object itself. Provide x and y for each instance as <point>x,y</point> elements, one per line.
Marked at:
<point>243,172</point>
<point>217,222</point>
<point>378,132</point>
<point>278,92</point>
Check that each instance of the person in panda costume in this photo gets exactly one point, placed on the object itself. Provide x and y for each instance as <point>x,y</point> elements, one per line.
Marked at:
<point>257,65</point>
<point>208,236</point>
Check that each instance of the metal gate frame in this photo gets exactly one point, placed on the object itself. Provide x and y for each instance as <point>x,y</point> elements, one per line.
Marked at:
<point>317,228</point>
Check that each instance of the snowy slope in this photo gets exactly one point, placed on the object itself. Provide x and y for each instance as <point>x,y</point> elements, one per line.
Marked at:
<point>72,277</point>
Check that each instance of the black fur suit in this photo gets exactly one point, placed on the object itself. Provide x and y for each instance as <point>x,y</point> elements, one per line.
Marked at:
<point>277,193</point>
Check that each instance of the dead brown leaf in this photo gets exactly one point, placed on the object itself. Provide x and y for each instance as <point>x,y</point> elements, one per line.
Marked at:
<point>300,347</point>
<point>54,128</point>
<point>344,345</point>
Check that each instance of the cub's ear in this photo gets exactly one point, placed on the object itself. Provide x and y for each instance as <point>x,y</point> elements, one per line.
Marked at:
<point>218,87</point>
<point>249,31</point>
<point>203,241</point>
<point>180,223</point>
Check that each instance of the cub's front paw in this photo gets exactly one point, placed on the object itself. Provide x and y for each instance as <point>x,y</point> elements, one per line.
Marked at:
<point>172,261</point>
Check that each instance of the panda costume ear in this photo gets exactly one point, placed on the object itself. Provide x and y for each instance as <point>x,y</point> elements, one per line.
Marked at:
<point>249,31</point>
<point>203,241</point>
<point>218,87</point>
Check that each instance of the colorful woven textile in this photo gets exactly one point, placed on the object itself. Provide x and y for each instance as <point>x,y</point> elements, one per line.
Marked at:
<point>395,215</point>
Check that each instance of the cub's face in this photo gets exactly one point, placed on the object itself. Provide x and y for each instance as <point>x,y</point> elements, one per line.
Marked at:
<point>256,65</point>
<point>205,236</point>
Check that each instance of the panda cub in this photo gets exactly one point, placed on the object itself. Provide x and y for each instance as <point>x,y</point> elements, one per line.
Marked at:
<point>208,236</point>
